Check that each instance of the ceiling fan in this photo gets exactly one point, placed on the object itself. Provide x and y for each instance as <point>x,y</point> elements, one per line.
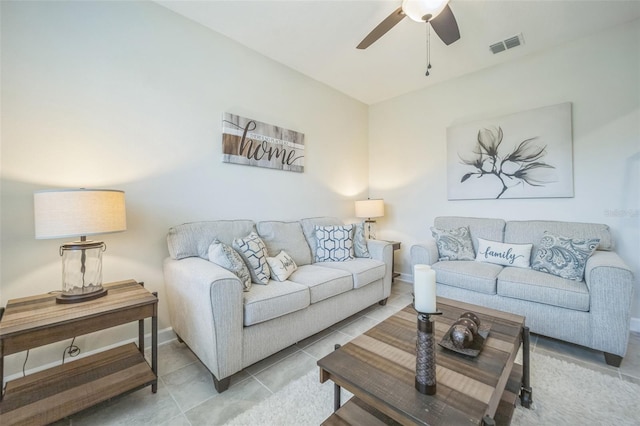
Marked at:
<point>435,12</point>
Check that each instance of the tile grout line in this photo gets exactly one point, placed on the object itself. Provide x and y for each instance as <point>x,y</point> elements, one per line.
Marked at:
<point>183,413</point>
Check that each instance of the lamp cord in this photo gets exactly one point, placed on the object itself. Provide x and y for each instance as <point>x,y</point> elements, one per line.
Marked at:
<point>24,365</point>
<point>72,350</point>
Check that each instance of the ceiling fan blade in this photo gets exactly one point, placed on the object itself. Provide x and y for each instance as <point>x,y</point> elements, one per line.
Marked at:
<point>384,26</point>
<point>445,26</point>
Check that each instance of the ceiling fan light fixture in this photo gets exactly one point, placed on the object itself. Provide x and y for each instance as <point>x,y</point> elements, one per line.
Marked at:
<point>423,10</point>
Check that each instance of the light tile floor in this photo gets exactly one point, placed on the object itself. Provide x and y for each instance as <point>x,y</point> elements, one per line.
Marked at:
<point>186,395</point>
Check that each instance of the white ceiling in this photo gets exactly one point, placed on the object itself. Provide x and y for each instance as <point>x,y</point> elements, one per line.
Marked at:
<point>318,38</point>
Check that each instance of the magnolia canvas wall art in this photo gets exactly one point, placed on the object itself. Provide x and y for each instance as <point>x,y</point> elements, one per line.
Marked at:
<point>253,143</point>
<point>521,155</point>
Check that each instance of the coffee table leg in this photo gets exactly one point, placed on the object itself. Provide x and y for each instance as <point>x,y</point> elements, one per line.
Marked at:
<point>336,389</point>
<point>488,421</point>
<point>526,393</point>
<point>336,397</point>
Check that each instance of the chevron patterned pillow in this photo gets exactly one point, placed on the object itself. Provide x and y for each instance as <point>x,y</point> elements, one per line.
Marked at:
<point>254,254</point>
<point>334,243</point>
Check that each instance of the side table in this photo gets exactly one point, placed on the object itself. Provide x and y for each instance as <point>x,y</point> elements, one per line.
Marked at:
<point>394,274</point>
<point>46,396</point>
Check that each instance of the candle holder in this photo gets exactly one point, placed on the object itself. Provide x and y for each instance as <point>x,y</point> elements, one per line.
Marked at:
<point>425,381</point>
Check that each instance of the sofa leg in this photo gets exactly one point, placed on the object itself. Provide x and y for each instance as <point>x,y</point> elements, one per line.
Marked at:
<point>221,385</point>
<point>383,301</point>
<point>613,360</point>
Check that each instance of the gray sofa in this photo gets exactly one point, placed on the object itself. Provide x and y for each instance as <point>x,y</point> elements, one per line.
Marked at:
<point>230,329</point>
<point>594,312</point>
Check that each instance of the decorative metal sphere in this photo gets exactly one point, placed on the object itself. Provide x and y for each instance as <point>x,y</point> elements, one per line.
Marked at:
<point>461,336</point>
<point>473,328</point>
<point>473,317</point>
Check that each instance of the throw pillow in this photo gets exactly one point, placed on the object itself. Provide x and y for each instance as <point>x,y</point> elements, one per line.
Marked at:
<point>226,257</point>
<point>563,256</point>
<point>281,266</point>
<point>518,255</point>
<point>334,243</point>
<point>454,244</point>
<point>360,247</point>
<point>254,254</point>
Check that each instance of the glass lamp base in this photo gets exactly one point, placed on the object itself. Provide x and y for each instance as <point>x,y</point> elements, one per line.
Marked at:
<point>81,297</point>
<point>371,228</point>
<point>81,271</point>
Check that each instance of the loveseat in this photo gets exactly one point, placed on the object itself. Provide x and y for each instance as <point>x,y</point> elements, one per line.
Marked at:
<point>230,323</point>
<point>592,311</point>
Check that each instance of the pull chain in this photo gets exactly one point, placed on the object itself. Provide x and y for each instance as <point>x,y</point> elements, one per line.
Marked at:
<point>428,49</point>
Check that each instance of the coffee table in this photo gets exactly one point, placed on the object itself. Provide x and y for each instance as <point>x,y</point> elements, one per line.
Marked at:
<point>378,367</point>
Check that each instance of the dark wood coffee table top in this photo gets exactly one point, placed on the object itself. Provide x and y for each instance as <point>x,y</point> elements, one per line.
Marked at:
<point>378,367</point>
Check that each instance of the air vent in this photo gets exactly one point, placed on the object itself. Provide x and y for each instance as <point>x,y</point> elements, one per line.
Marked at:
<point>508,43</point>
<point>497,47</point>
<point>512,42</point>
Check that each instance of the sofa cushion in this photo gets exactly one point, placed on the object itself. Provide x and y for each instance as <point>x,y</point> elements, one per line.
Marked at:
<point>531,231</point>
<point>309,230</point>
<point>364,271</point>
<point>287,236</point>
<point>265,302</point>
<point>562,256</point>
<point>193,239</point>
<point>334,243</point>
<point>468,274</point>
<point>322,282</point>
<point>453,244</point>
<point>505,254</point>
<point>487,228</point>
<point>534,286</point>
<point>281,266</point>
<point>254,254</point>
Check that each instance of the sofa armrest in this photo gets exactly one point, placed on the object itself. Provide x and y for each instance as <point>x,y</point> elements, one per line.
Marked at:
<point>425,253</point>
<point>206,311</point>
<point>383,251</point>
<point>610,282</point>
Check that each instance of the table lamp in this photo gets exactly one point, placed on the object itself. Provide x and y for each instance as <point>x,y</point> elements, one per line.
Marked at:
<point>370,209</point>
<point>77,213</point>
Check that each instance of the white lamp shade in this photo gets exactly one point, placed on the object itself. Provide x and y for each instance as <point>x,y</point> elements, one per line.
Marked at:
<point>78,212</point>
<point>417,9</point>
<point>370,208</point>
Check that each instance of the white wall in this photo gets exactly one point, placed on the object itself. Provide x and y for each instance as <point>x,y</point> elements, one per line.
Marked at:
<point>599,75</point>
<point>130,96</point>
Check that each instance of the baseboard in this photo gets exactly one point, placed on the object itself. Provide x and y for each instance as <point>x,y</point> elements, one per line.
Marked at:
<point>408,278</point>
<point>164,336</point>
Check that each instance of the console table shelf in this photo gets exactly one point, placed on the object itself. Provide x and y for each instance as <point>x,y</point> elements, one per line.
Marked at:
<point>46,396</point>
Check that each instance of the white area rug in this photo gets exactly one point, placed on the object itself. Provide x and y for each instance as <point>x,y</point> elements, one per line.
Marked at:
<point>563,394</point>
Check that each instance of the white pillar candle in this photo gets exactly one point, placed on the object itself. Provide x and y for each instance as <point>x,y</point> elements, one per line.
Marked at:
<point>424,288</point>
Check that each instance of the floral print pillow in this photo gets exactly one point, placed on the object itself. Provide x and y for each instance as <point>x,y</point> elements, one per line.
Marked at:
<point>454,244</point>
<point>563,256</point>
<point>360,242</point>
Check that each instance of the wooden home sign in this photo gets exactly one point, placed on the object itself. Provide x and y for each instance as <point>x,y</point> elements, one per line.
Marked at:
<point>250,142</point>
